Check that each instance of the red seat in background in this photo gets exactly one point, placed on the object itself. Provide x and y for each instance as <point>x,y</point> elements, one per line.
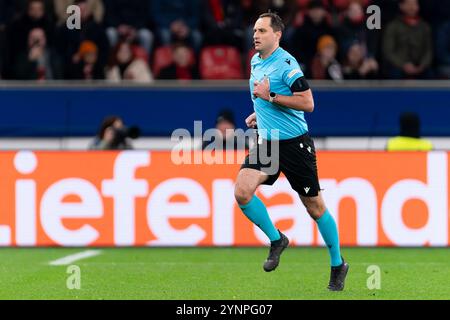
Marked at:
<point>161,59</point>
<point>220,63</point>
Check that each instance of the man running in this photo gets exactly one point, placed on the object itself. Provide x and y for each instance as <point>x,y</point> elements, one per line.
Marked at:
<point>280,96</point>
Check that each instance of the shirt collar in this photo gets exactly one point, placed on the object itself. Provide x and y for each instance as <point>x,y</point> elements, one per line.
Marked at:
<point>274,54</point>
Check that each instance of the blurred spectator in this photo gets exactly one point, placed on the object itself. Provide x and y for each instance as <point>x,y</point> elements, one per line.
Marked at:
<point>127,20</point>
<point>443,50</point>
<point>357,65</point>
<point>224,23</point>
<point>389,11</point>
<point>38,62</point>
<point>409,138</point>
<point>182,68</point>
<point>69,41</point>
<point>20,6</point>
<point>113,135</point>
<point>178,21</point>
<point>86,66</point>
<point>324,65</point>
<point>353,28</point>
<point>124,65</point>
<point>225,129</point>
<point>35,16</point>
<point>407,44</point>
<point>94,6</point>
<point>305,38</point>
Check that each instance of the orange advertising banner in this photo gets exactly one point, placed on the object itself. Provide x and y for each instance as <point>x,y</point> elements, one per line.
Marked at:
<point>144,198</point>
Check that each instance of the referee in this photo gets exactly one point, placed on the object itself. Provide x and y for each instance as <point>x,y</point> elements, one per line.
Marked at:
<point>280,96</point>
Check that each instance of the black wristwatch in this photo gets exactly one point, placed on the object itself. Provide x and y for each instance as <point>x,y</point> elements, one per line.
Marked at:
<point>272,97</point>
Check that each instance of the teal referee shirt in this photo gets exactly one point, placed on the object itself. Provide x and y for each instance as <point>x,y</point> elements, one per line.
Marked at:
<point>282,70</point>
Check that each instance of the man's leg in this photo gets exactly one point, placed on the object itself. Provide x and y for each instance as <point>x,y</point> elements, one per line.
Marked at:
<point>328,229</point>
<point>326,224</point>
<point>255,210</point>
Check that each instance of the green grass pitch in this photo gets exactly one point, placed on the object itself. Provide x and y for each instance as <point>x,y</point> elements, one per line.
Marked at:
<point>223,274</point>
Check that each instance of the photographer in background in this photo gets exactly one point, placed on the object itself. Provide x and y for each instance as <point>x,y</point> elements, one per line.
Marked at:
<point>113,135</point>
<point>226,126</point>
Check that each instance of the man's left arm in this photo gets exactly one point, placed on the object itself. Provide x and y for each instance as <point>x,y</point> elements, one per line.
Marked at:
<point>302,100</point>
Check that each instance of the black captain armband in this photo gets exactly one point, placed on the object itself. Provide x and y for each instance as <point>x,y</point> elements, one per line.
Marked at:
<point>300,85</point>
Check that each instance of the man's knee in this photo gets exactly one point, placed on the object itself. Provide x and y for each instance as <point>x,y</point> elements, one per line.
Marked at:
<point>315,208</point>
<point>243,195</point>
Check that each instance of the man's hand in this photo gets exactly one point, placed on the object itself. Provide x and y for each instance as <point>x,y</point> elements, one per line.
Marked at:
<point>36,53</point>
<point>251,121</point>
<point>262,89</point>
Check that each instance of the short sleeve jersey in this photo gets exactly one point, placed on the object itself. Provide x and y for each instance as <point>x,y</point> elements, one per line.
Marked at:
<point>282,70</point>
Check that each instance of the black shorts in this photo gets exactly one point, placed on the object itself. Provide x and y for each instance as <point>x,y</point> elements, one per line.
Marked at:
<point>297,160</point>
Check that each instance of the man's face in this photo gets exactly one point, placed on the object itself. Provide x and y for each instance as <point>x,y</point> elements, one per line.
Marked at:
<point>410,8</point>
<point>329,52</point>
<point>264,37</point>
<point>317,15</point>
<point>90,57</point>
<point>355,12</point>
<point>36,10</point>
<point>355,54</point>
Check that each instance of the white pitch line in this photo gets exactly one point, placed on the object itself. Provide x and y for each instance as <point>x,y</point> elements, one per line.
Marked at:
<point>75,257</point>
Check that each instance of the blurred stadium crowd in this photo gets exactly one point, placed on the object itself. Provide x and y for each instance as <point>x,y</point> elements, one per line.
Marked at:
<point>143,40</point>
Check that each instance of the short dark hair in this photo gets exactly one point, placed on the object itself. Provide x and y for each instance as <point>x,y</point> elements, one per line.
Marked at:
<point>275,21</point>
<point>225,115</point>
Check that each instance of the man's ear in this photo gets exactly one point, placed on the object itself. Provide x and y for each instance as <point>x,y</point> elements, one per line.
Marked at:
<point>279,34</point>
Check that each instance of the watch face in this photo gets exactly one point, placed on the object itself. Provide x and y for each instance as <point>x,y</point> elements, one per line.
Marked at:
<point>273,94</point>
